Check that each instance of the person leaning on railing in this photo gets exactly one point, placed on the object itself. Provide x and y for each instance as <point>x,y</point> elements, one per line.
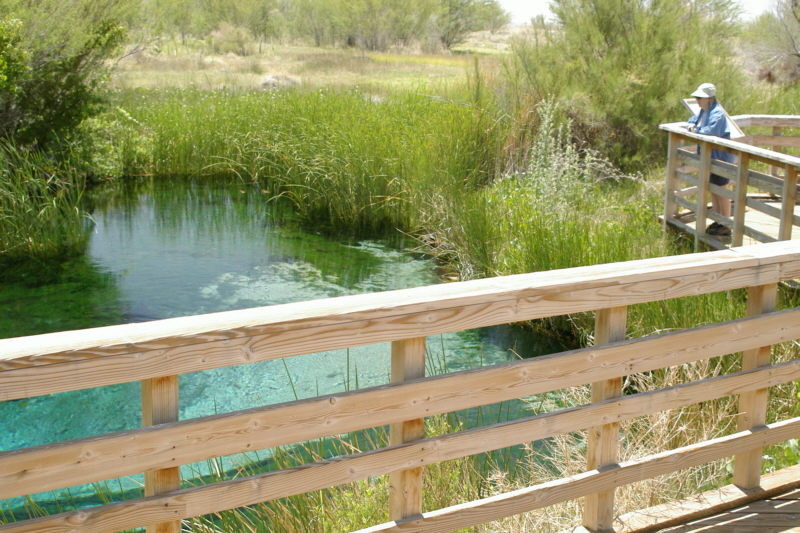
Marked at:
<point>711,121</point>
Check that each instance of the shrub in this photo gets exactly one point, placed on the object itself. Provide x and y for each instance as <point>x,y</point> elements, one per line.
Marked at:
<point>52,64</point>
<point>620,67</point>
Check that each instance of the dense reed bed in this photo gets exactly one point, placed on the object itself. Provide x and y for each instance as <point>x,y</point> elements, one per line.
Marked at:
<point>346,161</point>
<point>39,213</point>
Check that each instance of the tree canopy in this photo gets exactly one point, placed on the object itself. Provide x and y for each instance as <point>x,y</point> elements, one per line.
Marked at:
<point>370,24</point>
<point>619,67</point>
<point>52,61</point>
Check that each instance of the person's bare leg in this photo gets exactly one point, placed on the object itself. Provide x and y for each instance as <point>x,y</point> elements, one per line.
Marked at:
<point>721,205</point>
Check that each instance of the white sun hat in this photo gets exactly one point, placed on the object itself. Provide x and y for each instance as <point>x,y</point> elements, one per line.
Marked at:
<point>705,90</point>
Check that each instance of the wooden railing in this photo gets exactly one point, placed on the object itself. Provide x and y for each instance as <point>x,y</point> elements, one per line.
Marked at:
<point>685,166</point>
<point>156,352</point>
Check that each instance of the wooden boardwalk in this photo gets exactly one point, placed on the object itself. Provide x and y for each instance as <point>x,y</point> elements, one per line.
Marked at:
<point>156,353</point>
<point>774,507</point>
<point>773,515</point>
<point>763,223</point>
<point>764,191</point>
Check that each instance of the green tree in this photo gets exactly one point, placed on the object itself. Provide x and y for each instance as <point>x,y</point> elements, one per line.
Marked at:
<point>53,64</point>
<point>774,38</point>
<point>314,19</point>
<point>457,18</point>
<point>262,18</point>
<point>379,24</point>
<point>619,67</point>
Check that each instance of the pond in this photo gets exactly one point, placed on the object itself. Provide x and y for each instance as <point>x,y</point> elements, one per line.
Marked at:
<point>173,248</point>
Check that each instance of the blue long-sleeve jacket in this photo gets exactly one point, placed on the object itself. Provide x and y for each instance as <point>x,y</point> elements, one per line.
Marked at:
<point>713,124</point>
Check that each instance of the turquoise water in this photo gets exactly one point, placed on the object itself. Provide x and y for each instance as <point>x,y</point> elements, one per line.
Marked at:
<point>160,250</point>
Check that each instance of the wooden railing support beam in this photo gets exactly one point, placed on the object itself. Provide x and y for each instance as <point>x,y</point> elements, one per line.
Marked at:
<point>603,441</point>
<point>789,200</point>
<point>405,486</point>
<point>776,132</point>
<point>702,192</point>
<point>753,405</point>
<point>740,205</point>
<point>670,207</point>
<point>159,406</point>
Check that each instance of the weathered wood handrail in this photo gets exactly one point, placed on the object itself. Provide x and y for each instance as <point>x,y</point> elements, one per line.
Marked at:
<point>783,186</point>
<point>31,366</point>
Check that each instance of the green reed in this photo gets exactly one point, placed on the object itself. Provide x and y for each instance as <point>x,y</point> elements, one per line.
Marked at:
<point>346,161</point>
<point>39,213</point>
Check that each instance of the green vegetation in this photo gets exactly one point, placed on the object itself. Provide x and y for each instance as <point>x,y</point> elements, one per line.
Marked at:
<point>38,210</point>
<point>620,67</point>
<point>496,174</point>
<point>52,64</point>
<point>369,24</point>
<point>52,58</point>
<point>344,160</point>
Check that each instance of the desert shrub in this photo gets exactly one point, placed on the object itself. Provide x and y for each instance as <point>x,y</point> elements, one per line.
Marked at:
<point>52,65</point>
<point>620,67</point>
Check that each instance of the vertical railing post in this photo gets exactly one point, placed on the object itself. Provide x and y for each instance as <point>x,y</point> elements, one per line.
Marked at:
<point>753,405</point>
<point>776,132</point>
<point>787,206</point>
<point>405,486</point>
<point>741,198</point>
<point>603,441</point>
<point>702,190</point>
<point>671,181</point>
<point>159,406</point>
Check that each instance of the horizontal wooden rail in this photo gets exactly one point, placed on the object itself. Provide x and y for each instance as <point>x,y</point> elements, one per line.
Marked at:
<point>96,458</point>
<point>273,485</point>
<point>550,493</point>
<point>32,366</point>
<point>763,155</point>
<point>772,140</point>
<point>780,121</point>
<point>755,179</point>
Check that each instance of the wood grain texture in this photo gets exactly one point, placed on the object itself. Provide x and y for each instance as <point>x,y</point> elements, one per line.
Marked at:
<point>780,121</point>
<point>773,485</point>
<point>405,486</point>
<point>603,441</point>
<point>671,180</point>
<point>701,200</point>
<point>169,445</point>
<point>31,366</point>
<point>538,496</point>
<point>760,154</point>
<point>78,360</point>
<point>741,199</point>
<point>788,205</point>
<point>753,405</point>
<point>307,478</point>
<point>160,406</point>
<point>774,141</point>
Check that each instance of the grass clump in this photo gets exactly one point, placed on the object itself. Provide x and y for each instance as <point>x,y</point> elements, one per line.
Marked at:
<point>39,214</point>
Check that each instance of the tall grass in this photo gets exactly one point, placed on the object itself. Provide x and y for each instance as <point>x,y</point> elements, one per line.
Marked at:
<point>39,214</point>
<point>346,161</point>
